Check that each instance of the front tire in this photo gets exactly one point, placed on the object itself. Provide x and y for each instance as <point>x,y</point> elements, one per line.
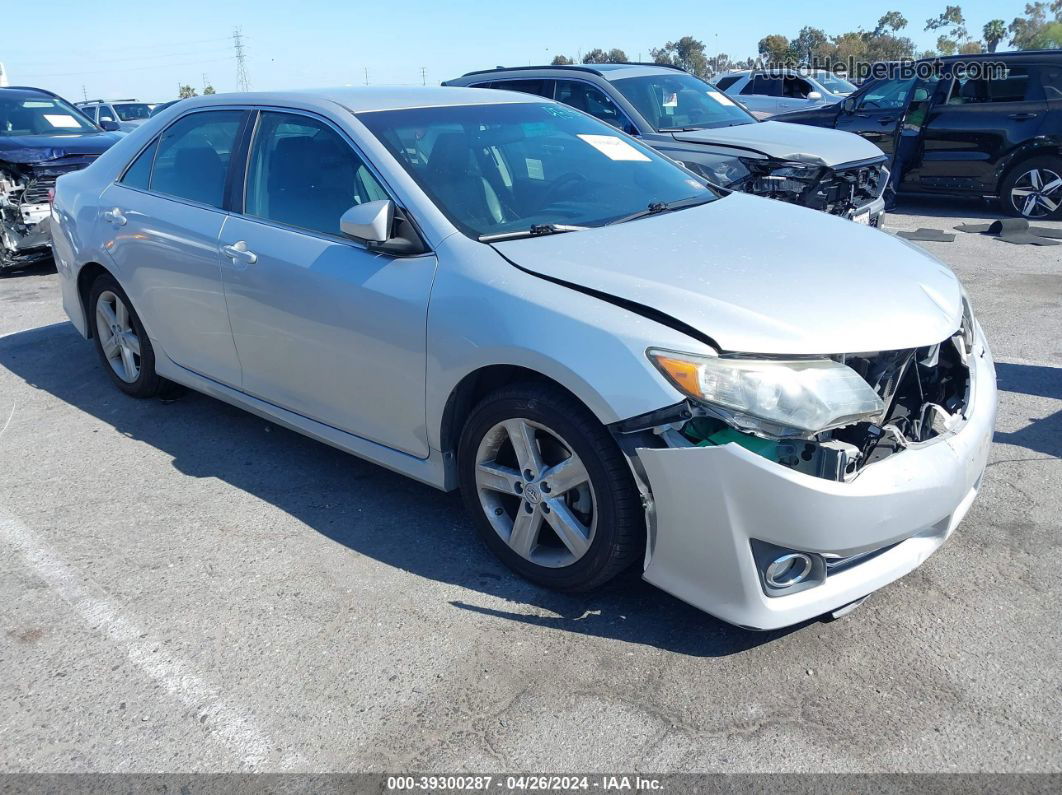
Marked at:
<point>1033,189</point>
<point>548,488</point>
<point>121,341</point>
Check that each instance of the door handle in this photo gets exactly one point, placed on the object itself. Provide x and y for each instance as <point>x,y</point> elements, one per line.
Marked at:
<point>1022,116</point>
<point>883,120</point>
<point>238,252</point>
<point>115,217</point>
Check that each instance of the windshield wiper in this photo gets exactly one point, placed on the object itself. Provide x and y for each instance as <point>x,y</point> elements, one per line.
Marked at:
<point>535,230</point>
<point>681,129</point>
<point>655,208</point>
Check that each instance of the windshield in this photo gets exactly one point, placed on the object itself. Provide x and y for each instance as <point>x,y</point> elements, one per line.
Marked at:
<point>834,84</point>
<point>40,116</point>
<point>681,102</point>
<point>495,169</point>
<point>132,111</point>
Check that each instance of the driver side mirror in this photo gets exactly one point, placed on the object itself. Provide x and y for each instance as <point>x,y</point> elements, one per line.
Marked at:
<point>814,96</point>
<point>110,126</point>
<point>849,105</point>
<point>382,227</point>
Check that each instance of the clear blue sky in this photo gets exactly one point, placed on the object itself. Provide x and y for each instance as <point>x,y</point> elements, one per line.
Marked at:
<point>142,50</point>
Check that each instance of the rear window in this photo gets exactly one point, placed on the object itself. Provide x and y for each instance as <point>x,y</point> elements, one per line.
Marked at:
<point>725,82</point>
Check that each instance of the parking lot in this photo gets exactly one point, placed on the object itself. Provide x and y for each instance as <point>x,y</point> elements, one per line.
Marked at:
<point>186,587</point>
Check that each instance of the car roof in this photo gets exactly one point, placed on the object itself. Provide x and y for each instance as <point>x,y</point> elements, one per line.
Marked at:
<point>608,71</point>
<point>29,91</point>
<point>365,99</point>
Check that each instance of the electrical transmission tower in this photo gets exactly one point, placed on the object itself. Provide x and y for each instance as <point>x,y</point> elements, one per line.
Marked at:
<point>242,81</point>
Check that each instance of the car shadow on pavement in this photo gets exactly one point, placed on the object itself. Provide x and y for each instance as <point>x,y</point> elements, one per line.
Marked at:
<point>36,269</point>
<point>1040,435</point>
<point>949,207</point>
<point>367,508</point>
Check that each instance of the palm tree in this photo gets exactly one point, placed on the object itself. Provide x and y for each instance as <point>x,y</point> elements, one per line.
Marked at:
<point>994,31</point>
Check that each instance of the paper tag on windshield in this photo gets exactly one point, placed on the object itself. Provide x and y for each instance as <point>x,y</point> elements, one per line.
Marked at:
<point>614,148</point>
<point>534,168</point>
<point>720,97</point>
<point>62,120</point>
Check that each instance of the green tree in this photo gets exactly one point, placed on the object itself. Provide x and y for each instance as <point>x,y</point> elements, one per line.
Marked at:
<point>208,90</point>
<point>890,20</point>
<point>1036,30</point>
<point>971,48</point>
<point>186,91</point>
<point>687,53</point>
<point>994,32</point>
<point>947,46</point>
<point>777,49</point>
<point>562,60</point>
<point>952,21</point>
<point>811,45</point>
<point>614,55</point>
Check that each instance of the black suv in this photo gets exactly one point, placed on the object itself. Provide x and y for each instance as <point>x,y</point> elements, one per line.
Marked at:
<point>698,125</point>
<point>42,136</point>
<point>965,129</point>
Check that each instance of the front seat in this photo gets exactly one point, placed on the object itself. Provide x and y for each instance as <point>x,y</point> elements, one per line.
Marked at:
<point>458,182</point>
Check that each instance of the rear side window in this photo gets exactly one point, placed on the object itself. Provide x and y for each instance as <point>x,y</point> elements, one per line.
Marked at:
<point>1051,77</point>
<point>589,99</point>
<point>1015,85</point>
<point>542,88</point>
<point>764,85</point>
<point>303,174</point>
<point>193,156</point>
<point>138,175</point>
<point>90,112</point>
<point>725,82</point>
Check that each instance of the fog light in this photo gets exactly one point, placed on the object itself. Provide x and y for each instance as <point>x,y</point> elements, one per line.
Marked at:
<point>788,570</point>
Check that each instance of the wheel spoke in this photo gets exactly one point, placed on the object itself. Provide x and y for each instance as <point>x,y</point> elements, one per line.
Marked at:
<point>1030,206</point>
<point>128,364</point>
<point>1022,191</point>
<point>121,314</point>
<point>1048,204</point>
<point>565,476</point>
<point>526,527</point>
<point>569,529</point>
<point>1052,186</point>
<point>110,347</point>
<point>522,437</point>
<point>495,477</point>
<point>131,341</point>
<point>104,310</point>
<point>1034,179</point>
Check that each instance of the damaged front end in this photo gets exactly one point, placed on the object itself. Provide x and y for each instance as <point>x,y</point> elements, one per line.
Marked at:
<point>845,190</point>
<point>922,393</point>
<point>25,211</point>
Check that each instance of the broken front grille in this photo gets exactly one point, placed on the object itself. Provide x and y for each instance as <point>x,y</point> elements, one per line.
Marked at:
<point>36,191</point>
<point>846,188</point>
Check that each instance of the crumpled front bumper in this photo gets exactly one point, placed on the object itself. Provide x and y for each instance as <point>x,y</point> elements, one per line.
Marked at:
<point>710,502</point>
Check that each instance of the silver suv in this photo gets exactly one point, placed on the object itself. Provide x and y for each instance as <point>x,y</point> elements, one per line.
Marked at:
<point>126,113</point>
<point>698,125</point>
<point>616,363</point>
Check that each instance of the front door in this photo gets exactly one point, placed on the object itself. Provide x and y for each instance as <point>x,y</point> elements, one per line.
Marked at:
<point>166,217</point>
<point>877,111</point>
<point>324,327</point>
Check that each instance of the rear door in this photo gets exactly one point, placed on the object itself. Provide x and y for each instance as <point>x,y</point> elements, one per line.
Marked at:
<point>983,119</point>
<point>165,215</point>
<point>324,327</point>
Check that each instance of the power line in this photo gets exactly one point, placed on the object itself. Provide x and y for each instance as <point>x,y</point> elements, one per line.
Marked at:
<point>166,45</point>
<point>126,69</point>
<point>242,80</point>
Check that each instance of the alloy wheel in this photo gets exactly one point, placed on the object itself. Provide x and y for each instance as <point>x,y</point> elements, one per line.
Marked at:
<point>118,339</point>
<point>1037,193</point>
<point>536,492</point>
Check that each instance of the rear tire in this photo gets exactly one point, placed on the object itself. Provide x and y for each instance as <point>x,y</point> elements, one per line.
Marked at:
<point>121,341</point>
<point>1033,189</point>
<point>558,505</point>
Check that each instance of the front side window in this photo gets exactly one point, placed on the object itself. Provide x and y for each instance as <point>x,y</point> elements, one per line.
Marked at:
<point>303,174</point>
<point>39,115</point>
<point>764,85</point>
<point>681,102</point>
<point>834,84</point>
<point>193,156</point>
<point>888,95</point>
<point>90,112</point>
<point>132,111</point>
<point>105,113</point>
<point>497,169</point>
<point>1014,85</point>
<point>589,99</point>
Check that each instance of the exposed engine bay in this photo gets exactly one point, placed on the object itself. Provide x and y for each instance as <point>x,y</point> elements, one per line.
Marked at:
<point>925,391</point>
<point>840,190</point>
<point>25,213</point>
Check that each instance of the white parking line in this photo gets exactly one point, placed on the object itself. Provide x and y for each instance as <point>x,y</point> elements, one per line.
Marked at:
<point>232,726</point>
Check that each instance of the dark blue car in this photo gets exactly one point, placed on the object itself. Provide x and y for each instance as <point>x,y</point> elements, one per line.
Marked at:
<point>42,136</point>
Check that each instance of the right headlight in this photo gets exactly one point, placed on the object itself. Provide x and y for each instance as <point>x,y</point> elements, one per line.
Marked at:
<point>794,397</point>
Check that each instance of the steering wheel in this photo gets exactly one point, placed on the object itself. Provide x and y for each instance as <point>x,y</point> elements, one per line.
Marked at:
<point>562,184</point>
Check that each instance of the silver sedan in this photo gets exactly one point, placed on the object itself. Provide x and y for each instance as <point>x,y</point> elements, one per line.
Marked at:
<point>616,363</point>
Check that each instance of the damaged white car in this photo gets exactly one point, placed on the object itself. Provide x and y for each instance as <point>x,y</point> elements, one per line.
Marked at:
<point>615,362</point>
<point>41,137</point>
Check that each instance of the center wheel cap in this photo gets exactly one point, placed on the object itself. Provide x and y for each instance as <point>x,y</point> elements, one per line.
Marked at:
<point>532,494</point>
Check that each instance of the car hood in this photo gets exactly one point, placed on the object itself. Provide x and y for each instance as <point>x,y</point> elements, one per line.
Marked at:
<point>789,142</point>
<point>42,148</point>
<point>760,276</point>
